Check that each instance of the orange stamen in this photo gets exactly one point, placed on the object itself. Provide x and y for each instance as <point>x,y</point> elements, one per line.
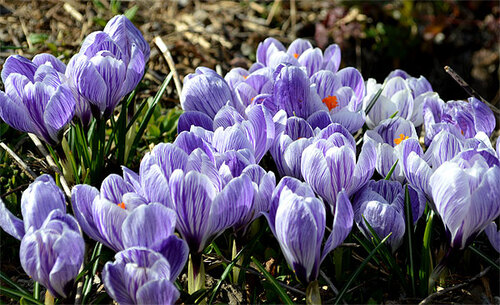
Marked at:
<point>462,132</point>
<point>296,55</point>
<point>122,205</point>
<point>245,76</point>
<point>401,138</point>
<point>330,102</point>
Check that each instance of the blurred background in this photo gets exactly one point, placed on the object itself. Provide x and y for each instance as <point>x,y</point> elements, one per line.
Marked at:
<point>375,36</point>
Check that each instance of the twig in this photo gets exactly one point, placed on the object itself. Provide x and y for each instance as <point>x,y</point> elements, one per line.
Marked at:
<point>293,17</point>
<point>431,297</point>
<point>19,161</point>
<point>170,61</point>
<point>330,283</point>
<point>273,11</point>
<point>73,12</point>
<point>51,162</point>
<point>469,89</point>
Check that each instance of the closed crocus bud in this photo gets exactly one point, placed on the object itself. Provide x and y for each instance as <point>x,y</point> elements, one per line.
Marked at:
<point>140,276</point>
<point>37,202</point>
<point>297,219</point>
<point>381,204</point>
<point>466,194</point>
<point>109,65</point>
<point>45,257</point>
<point>37,98</point>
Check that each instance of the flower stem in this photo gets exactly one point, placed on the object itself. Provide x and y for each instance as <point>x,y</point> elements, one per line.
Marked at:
<point>312,294</point>
<point>196,273</point>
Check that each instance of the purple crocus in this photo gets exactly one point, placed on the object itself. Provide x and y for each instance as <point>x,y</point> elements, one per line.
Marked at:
<point>298,219</point>
<point>387,137</point>
<point>120,218</point>
<point>46,233</point>
<point>330,165</point>
<point>109,65</point>
<point>342,93</point>
<point>418,167</point>
<point>36,98</point>
<point>381,204</point>
<point>459,117</point>
<point>466,195</point>
<point>141,276</point>
<point>396,97</point>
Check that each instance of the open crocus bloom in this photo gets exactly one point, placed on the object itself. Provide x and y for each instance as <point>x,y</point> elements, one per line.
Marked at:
<point>141,276</point>
<point>466,194</point>
<point>36,98</point>
<point>418,167</point>
<point>109,65</point>
<point>297,219</point>
<point>387,137</point>
<point>46,232</point>
<point>342,93</point>
<point>120,218</point>
<point>381,203</point>
<point>459,117</point>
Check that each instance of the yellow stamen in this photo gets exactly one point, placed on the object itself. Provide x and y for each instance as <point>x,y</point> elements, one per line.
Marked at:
<point>401,138</point>
<point>296,55</point>
<point>330,102</point>
<point>122,205</point>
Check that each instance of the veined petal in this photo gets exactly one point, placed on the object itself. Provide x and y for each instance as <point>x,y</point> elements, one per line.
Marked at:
<point>157,292</point>
<point>298,46</point>
<point>176,251</point>
<point>82,199</point>
<point>312,59</point>
<point>331,58</point>
<point>364,167</point>
<point>342,224</point>
<point>493,235</point>
<point>10,223</point>
<point>15,114</point>
<point>45,58</point>
<point>20,65</point>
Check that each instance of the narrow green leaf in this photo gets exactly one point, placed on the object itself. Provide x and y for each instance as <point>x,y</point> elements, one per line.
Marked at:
<point>148,115</point>
<point>284,297</point>
<point>36,291</point>
<point>367,247</point>
<point>426,260</point>
<point>15,293</point>
<point>359,269</point>
<point>409,234</point>
<point>483,256</point>
<point>394,114</point>
<point>389,174</point>
<point>131,12</point>
<point>224,275</point>
<point>374,100</point>
<point>6,279</point>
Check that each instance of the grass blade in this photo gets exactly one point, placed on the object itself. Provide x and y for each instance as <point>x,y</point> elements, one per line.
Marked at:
<point>15,293</point>
<point>148,115</point>
<point>409,231</point>
<point>374,100</point>
<point>426,260</point>
<point>360,268</point>
<point>389,174</point>
<point>483,256</point>
<point>284,297</point>
<point>6,279</point>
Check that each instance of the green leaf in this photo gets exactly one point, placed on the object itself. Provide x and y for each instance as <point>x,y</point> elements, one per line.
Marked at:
<point>426,260</point>
<point>374,100</point>
<point>484,257</point>
<point>394,114</point>
<point>34,38</point>
<point>409,234</point>
<point>389,174</point>
<point>277,288</point>
<point>4,278</point>
<point>131,12</point>
<point>18,295</point>
<point>359,269</point>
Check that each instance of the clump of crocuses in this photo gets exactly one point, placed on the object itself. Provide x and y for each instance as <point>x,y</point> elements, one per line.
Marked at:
<point>46,233</point>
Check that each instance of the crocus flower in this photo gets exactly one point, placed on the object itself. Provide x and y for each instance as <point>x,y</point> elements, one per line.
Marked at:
<point>46,233</point>
<point>204,210</point>
<point>36,98</point>
<point>298,222</point>
<point>418,167</point>
<point>467,118</point>
<point>342,93</point>
<point>382,205</point>
<point>493,235</point>
<point>120,218</point>
<point>330,165</point>
<point>203,94</point>
<point>271,53</point>
<point>387,137</point>
<point>395,97</point>
<point>109,65</point>
<point>140,276</point>
<point>466,195</point>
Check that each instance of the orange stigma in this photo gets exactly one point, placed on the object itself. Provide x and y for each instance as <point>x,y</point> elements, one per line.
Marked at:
<point>122,205</point>
<point>245,76</point>
<point>296,55</point>
<point>330,102</point>
<point>401,138</point>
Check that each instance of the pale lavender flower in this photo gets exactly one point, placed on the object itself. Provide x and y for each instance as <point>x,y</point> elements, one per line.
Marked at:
<point>493,235</point>
<point>36,98</point>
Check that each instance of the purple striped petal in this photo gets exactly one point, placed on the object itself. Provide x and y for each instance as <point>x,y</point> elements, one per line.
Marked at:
<point>331,58</point>
<point>493,235</point>
<point>10,223</point>
<point>160,291</point>
<point>298,47</point>
<point>312,59</point>
<point>266,48</point>
<point>342,224</point>
<point>125,34</point>
<point>45,58</point>
<point>20,65</point>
